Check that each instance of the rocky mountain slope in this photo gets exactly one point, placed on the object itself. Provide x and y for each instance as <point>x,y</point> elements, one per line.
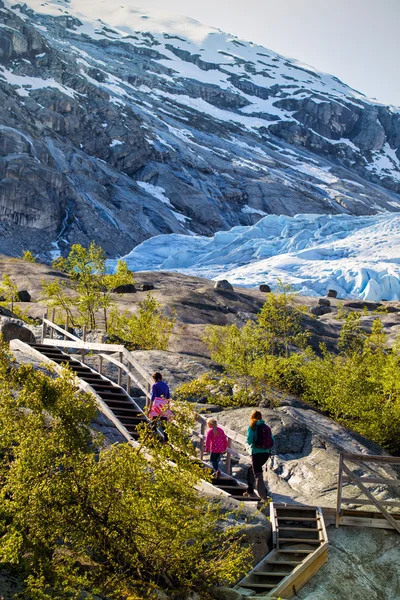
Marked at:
<point>117,125</point>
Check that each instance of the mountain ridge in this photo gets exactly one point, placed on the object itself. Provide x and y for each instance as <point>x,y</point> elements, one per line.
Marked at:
<point>116,133</point>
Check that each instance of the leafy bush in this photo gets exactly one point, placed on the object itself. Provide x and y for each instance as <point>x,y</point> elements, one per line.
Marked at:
<point>359,387</point>
<point>91,283</point>
<point>27,256</point>
<point>81,520</point>
<point>149,329</point>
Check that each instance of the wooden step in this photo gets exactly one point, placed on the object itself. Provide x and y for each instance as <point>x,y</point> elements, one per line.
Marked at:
<point>121,412</point>
<point>231,488</point>
<point>297,518</point>
<point>294,551</point>
<point>298,540</point>
<point>283,562</point>
<point>271,573</point>
<point>132,421</point>
<point>265,586</point>
<point>243,498</point>
<point>305,529</point>
<point>118,403</point>
<point>225,482</point>
<point>222,482</point>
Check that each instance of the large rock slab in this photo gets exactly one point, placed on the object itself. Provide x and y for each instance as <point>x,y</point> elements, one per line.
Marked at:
<point>363,564</point>
<point>14,329</point>
<point>304,464</point>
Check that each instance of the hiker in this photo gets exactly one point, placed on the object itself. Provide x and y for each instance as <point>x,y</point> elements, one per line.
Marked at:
<point>160,389</point>
<point>216,444</point>
<point>160,396</point>
<point>261,441</point>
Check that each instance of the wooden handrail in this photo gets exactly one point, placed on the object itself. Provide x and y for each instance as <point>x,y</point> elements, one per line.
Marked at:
<point>347,476</point>
<point>126,369</point>
<point>60,330</point>
<point>145,385</point>
<point>390,460</point>
<point>81,345</point>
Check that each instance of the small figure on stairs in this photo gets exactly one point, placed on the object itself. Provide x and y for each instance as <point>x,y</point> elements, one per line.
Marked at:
<point>261,442</point>
<point>216,444</point>
<point>160,396</point>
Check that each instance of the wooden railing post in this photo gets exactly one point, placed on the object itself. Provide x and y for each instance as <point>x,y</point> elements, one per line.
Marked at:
<point>148,396</point>
<point>53,320</point>
<point>228,461</point>
<point>83,339</point>
<point>66,325</point>
<point>43,333</point>
<point>339,490</point>
<point>202,433</point>
<point>100,364</point>
<point>120,370</point>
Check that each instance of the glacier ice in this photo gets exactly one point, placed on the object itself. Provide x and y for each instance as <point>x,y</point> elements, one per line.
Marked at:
<point>357,256</point>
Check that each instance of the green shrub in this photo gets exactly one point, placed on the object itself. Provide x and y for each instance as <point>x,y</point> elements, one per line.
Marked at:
<point>81,520</point>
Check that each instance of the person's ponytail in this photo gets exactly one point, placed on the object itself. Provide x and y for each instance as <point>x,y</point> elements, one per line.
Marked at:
<point>255,416</point>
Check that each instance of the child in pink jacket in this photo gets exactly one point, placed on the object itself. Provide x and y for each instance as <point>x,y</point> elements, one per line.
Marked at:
<point>216,444</point>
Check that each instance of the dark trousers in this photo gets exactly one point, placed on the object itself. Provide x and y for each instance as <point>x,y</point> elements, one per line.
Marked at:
<point>214,459</point>
<point>158,423</point>
<point>255,479</point>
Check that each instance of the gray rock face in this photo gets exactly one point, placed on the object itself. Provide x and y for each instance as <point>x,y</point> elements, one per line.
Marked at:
<point>363,563</point>
<point>113,141</point>
<point>13,329</point>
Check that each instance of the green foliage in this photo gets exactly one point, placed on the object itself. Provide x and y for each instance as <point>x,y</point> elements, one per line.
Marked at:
<point>92,285</point>
<point>359,387</point>
<point>79,519</point>
<point>281,322</point>
<point>149,329</point>
<point>27,256</point>
<point>342,312</point>
<point>9,291</point>
<point>235,348</point>
<point>351,338</point>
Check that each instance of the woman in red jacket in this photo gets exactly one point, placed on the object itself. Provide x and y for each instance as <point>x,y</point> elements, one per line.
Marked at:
<point>216,444</point>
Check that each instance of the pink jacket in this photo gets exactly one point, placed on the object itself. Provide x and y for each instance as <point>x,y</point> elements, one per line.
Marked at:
<point>216,443</point>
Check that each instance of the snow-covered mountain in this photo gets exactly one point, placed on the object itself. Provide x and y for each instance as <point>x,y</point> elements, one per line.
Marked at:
<point>117,124</point>
<point>359,257</point>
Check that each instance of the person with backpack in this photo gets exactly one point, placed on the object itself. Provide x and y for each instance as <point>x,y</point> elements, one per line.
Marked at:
<point>216,444</point>
<point>261,442</point>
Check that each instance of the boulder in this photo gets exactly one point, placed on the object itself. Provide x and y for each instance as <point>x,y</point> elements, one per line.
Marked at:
<point>223,284</point>
<point>324,302</point>
<point>128,288</point>
<point>144,287</point>
<point>332,294</point>
<point>14,329</point>
<point>318,311</point>
<point>225,593</point>
<point>24,296</point>
<point>265,288</point>
<point>363,304</point>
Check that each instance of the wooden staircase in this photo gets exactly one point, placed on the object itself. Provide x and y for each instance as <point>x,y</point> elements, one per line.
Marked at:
<point>300,549</point>
<point>121,408</point>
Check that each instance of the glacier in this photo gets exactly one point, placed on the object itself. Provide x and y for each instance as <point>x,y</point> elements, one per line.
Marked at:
<point>359,257</point>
